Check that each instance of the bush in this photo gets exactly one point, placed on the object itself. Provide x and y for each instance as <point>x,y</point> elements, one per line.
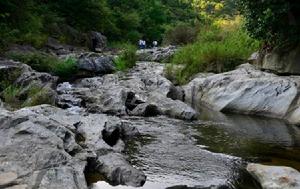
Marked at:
<point>37,61</point>
<point>47,63</point>
<point>19,97</point>
<point>127,59</point>
<point>218,49</point>
<point>275,22</point>
<point>181,34</point>
<point>66,68</point>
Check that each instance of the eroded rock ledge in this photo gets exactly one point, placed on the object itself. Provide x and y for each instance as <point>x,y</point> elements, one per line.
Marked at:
<point>247,90</point>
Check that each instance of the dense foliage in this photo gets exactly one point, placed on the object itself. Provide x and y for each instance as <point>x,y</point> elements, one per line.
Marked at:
<point>220,47</point>
<point>32,21</point>
<point>127,59</point>
<point>274,21</point>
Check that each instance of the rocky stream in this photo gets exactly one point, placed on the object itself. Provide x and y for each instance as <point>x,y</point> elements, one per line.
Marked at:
<point>137,129</point>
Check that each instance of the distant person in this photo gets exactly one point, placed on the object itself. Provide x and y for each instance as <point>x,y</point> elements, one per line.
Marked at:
<point>144,44</point>
<point>141,43</point>
<point>155,43</point>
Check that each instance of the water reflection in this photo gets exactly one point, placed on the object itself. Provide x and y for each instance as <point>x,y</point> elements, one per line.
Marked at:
<point>212,151</point>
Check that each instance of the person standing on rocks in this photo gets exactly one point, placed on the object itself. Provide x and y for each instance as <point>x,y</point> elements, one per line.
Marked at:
<point>155,43</point>
<point>141,43</point>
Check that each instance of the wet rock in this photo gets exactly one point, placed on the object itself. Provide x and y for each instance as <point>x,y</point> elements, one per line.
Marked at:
<point>275,177</point>
<point>145,110</point>
<point>96,64</point>
<point>163,54</point>
<point>172,108</point>
<point>249,91</point>
<point>118,171</point>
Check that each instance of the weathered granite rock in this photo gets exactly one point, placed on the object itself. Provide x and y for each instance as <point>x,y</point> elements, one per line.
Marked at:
<point>275,177</point>
<point>123,94</point>
<point>38,151</point>
<point>163,54</point>
<point>284,61</point>
<point>158,104</point>
<point>118,171</point>
<point>96,41</point>
<point>249,91</point>
<point>96,64</point>
<point>47,147</point>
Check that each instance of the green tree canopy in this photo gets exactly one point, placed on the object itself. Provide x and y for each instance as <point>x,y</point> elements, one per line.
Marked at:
<point>273,21</point>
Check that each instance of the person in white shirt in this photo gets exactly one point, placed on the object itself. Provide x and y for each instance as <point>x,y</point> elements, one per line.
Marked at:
<point>155,43</point>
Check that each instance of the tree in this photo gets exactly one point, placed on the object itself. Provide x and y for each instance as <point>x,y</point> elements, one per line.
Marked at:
<point>276,22</point>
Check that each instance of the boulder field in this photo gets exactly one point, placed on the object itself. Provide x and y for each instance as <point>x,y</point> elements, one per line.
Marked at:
<point>61,147</point>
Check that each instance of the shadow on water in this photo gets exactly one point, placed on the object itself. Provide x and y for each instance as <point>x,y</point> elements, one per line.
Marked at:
<point>212,151</point>
<point>253,138</point>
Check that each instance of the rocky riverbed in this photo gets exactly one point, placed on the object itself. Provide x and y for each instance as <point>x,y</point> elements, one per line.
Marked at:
<point>137,129</point>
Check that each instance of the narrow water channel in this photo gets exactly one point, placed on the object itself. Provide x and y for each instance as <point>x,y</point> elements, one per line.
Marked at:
<point>212,151</point>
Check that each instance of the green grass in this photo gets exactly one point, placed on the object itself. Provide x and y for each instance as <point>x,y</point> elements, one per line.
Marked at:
<point>66,69</point>
<point>216,50</point>
<point>127,59</point>
<point>19,97</point>
<point>47,63</point>
<point>11,96</point>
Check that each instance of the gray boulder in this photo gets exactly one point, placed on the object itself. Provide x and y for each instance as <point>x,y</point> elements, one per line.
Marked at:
<point>275,177</point>
<point>47,147</point>
<point>38,150</point>
<point>283,61</point>
<point>159,104</point>
<point>163,54</point>
<point>118,171</point>
<point>97,41</point>
<point>247,90</point>
<point>96,64</point>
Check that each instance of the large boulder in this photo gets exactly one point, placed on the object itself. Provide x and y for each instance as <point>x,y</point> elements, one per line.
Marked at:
<point>249,91</point>
<point>96,64</point>
<point>96,41</point>
<point>37,151</point>
<point>282,61</point>
<point>275,177</point>
<point>47,147</point>
<point>163,54</point>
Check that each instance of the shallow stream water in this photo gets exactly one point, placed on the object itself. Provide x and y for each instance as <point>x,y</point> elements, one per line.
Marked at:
<point>211,151</point>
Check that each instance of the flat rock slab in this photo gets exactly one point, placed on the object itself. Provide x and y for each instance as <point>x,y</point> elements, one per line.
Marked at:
<point>7,178</point>
<point>275,177</point>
